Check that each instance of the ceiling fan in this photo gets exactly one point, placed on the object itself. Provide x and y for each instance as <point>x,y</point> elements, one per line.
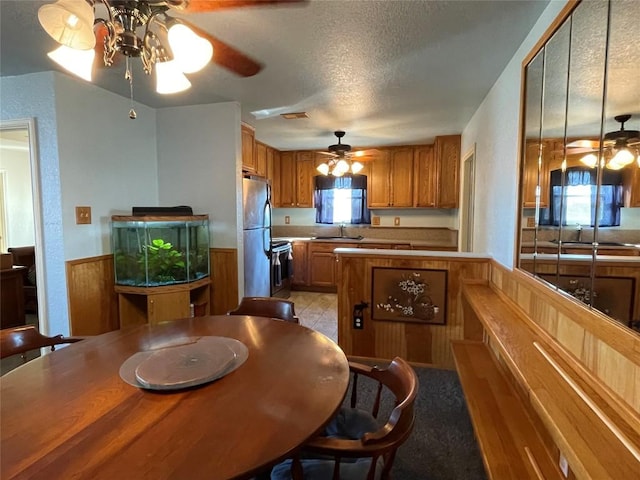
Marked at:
<point>145,29</point>
<point>621,146</point>
<point>342,158</point>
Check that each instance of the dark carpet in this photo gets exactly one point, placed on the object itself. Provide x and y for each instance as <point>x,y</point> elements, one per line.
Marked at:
<point>442,445</point>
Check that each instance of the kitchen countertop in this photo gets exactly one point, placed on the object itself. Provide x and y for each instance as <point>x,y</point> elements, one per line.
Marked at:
<point>411,253</point>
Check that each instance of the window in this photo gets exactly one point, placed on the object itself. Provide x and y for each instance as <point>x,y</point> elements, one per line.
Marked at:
<point>578,203</point>
<point>341,199</point>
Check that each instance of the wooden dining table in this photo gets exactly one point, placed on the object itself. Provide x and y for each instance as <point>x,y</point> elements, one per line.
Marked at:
<point>69,414</point>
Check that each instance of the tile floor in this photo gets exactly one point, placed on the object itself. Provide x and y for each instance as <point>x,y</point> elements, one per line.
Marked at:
<point>318,311</point>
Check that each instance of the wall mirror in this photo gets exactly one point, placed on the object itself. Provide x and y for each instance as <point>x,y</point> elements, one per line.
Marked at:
<point>580,172</point>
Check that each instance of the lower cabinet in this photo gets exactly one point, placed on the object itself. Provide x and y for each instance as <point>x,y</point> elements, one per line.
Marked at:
<point>152,305</point>
<point>299,253</point>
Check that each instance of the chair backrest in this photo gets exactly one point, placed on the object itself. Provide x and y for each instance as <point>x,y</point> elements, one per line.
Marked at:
<point>19,340</point>
<point>401,380</point>
<point>25,256</point>
<point>266,307</point>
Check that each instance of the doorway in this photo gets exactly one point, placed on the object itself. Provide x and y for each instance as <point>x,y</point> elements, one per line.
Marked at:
<point>468,188</point>
<point>20,219</point>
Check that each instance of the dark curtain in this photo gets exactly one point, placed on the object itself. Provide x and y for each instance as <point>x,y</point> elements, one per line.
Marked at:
<point>324,197</point>
<point>610,196</point>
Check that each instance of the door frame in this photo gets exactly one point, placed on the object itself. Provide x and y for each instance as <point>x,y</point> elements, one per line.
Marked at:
<point>465,240</point>
<point>30,125</point>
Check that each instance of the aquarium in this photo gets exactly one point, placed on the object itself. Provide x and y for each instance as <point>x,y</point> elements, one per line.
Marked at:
<point>160,250</point>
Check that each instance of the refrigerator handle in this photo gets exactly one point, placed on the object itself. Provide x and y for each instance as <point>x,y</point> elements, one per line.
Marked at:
<point>266,237</point>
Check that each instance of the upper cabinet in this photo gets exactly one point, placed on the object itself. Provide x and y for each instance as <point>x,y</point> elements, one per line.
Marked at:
<point>390,180</point>
<point>292,185</point>
<point>248,149</point>
<point>447,152</point>
<point>425,177</point>
<point>261,158</point>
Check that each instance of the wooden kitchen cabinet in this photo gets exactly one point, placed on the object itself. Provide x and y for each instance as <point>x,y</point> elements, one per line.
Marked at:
<point>631,186</point>
<point>322,264</point>
<point>305,173</point>
<point>300,263</point>
<point>425,176</point>
<point>287,179</point>
<point>248,149</point>
<point>261,158</point>
<point>273,175</point>
<point>530,175</point>
<point>390,180</point>
<point>447,153</point>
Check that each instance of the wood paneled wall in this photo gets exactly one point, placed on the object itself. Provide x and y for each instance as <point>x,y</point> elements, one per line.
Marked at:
<point>93,303</point>
<point>608,351</point>
<point>224,280</point>
<point>416,342</point>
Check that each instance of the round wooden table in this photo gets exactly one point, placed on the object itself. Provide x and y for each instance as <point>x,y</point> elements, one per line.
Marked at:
<point>70,415</point>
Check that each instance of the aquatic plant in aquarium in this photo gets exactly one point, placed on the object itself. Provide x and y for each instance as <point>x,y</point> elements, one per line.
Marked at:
<point>157,251</point>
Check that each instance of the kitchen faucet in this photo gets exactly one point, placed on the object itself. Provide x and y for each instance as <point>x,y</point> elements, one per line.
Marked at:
<point>579,230</point>
<point>342,226</point>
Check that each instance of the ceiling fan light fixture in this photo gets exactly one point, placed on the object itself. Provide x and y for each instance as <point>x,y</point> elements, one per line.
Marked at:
<point>323,168</point>
<point>356,167</point>
<point>69,22</point>
<point>621,159</point>
<point>78,62</point>
<point>590,160</point>
<point>191,52</point>
<point>170,79</point>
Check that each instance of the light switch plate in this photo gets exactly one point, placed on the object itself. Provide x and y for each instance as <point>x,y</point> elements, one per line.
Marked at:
<point>83,215</point>
<point>375,220</point>
<point>396,221</point>
<point>287,219</point>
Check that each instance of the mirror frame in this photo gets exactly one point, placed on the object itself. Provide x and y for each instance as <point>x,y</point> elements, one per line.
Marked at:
<point>560,20</point>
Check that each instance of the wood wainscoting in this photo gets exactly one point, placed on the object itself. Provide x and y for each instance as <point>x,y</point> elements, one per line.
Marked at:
<point>608,352</point>
<point>413,341</point>
<point>93,302</point>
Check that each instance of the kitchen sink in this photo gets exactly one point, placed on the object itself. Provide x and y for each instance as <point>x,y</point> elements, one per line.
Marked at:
<point>359,237</point>
<point>601,244</point>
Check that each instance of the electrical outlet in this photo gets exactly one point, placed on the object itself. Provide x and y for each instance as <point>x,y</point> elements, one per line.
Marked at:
<point>375,220</point>
<point>357,322</point>
<point>564,465</point>
<point>287,219</point>
<point>83,215</point>
<point>396,221</point>
<point>531,222</point>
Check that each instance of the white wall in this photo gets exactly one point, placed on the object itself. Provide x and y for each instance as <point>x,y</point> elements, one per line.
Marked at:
<point>107,162</point>
<point>494,128</point>
<point>15,163</point>
<point>199,164</point>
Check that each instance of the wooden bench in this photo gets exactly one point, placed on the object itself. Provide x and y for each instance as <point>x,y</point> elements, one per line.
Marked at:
<point>510,445</point>
<point>557,407</point>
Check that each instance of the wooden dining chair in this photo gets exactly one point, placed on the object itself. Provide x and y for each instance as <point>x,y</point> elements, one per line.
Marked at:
<point>266,307</point>
<point>356,444</point>
<point>20,340</point>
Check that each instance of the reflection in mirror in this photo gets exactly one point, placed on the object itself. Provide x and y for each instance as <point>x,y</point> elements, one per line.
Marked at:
<point>586,239</point>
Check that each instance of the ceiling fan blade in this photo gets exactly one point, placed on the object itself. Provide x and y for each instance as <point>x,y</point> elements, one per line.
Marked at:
<point>365,153</point>
<point>592,144</point>
<point>326,153</point>
<point>226,56</point>
<point>197,6</point>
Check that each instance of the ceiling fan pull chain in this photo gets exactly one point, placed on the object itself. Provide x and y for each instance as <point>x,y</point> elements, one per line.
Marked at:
<point>129,76</point>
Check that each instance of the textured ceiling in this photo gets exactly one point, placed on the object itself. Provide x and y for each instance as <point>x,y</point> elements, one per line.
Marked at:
<point>387,72</point>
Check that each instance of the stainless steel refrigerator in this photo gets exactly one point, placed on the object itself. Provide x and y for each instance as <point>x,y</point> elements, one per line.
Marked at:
<point>256,196</point>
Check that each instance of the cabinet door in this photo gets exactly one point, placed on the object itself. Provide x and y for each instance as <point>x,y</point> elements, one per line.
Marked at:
<point>447,150</point>
<point>631,187</point>
<point>425,177</point>
<point>299,253</point>
<point>305,173</point>
<point>530,174</point>
<point>401,177</point>
<point>322,265</point>
<point>378,183</point>
<point>248,154</point>
<point>287,179</point>
<point>167,306</point>
<point>261,159</point>
<point>273,174</point>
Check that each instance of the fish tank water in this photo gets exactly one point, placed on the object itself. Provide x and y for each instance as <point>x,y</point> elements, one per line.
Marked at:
<point>153,251</point>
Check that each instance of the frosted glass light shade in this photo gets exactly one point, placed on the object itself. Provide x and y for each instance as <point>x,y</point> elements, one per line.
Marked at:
<point>69,22</point>
<point>190,51</point>
<point>356,167</point>
<point>589,160</point>
<point>78,62</point>
<point>323,168</point>
<point>621,159</point>
<point>170,79</point>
